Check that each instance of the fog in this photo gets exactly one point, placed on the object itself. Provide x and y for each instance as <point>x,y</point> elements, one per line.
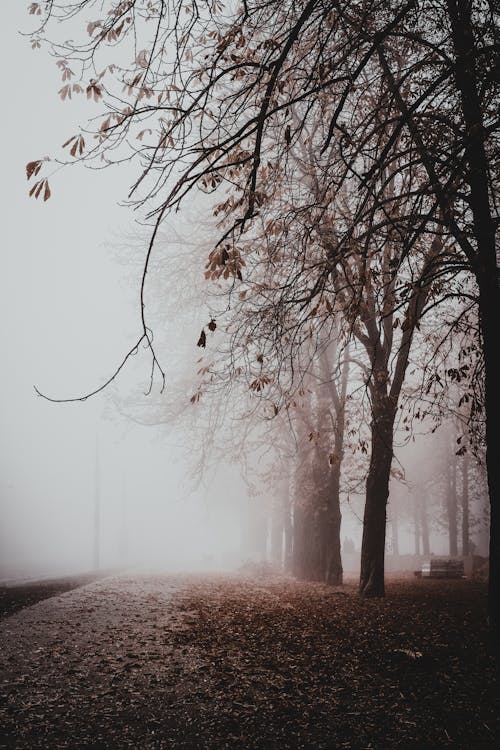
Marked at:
<point>69,310</point>
<point>82,484</point>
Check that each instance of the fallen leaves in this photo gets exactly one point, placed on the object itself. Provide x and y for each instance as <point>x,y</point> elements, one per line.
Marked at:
<point>264,663</point>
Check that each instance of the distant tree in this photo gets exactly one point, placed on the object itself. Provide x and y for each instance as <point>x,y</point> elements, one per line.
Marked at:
<point>321,419</point>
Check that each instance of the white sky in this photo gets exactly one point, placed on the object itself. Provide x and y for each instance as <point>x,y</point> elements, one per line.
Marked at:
<point>69,313</point>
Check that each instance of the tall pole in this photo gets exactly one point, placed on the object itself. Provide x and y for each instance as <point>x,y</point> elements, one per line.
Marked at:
<point>123,532</point>
<point>97,508</point>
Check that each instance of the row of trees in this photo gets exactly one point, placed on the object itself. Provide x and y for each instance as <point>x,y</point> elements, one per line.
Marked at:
<point>351,153</point>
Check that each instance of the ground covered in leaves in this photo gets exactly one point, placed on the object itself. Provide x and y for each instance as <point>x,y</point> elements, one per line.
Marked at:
<point>15,597</point>
<point>175,662</point>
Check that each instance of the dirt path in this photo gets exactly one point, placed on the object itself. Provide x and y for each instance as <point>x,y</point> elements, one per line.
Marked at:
<point>171,662</point>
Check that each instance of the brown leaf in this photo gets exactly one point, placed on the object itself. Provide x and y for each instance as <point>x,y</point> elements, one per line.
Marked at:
<point>38,187</point>
<point>35,186</point>
<point>78,144</point>
<point>94,90</point>
<point>212,325</point>
<point>33,168</point>
<point>92,26</point>
<point>202,341</point>
<point>65,92</point>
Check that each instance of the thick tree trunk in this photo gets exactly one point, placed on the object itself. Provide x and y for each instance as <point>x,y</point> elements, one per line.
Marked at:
<point>333,573</point>
<point>310,566</point>
<point>371,581</point>
<point>485,267</point>
<point>490,317</point>
<point>306,547</point>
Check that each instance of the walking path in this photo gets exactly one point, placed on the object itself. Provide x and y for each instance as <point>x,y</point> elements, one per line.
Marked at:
<point>74,665</point>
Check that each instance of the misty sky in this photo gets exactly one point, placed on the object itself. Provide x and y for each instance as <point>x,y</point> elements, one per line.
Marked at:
<point>69,312</point>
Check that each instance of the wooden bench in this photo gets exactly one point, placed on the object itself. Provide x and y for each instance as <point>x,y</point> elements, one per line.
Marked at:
<point>441,567</point>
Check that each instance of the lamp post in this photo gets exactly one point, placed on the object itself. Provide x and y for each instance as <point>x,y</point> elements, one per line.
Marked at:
<point>97,508</point>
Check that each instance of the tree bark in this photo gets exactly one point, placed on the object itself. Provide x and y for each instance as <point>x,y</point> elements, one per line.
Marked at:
<point>490,316</point>
<point>485,269</point>
<point>333,572</point>
<point>371,581</point>
<point>330,517</point>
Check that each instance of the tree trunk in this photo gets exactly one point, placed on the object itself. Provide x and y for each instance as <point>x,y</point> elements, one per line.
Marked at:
<point>416,526</point>
<point>485,267</point>
<point>394,532</point>
<point>333,573</point>
<point>451,506</point>
<point>309,566</point>
<point>332,560</point>
<point>276,552</point>
<point>288,532</point>
<point>371,581</point>
<point>465,506</point>
<point>298,540</point>
<point>490,315</point>
<point>306,547</point>
<point>424,526</point>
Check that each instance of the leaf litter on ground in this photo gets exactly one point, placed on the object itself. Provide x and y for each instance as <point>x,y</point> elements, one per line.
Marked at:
<point>227,662</point>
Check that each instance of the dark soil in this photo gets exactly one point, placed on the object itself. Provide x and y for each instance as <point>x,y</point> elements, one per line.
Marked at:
<point>157,663</point>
